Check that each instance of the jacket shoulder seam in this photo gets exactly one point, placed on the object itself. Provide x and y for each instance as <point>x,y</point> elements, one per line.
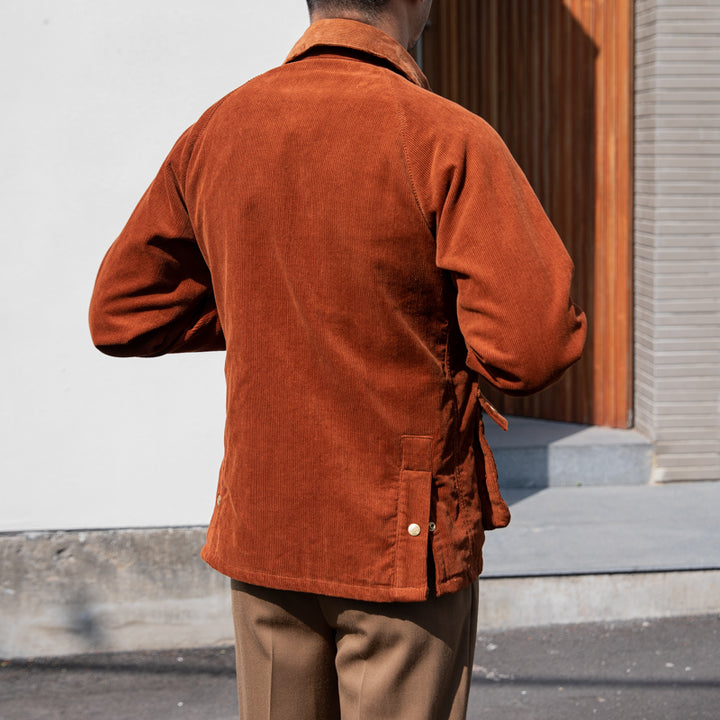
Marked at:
<point>406,162</point>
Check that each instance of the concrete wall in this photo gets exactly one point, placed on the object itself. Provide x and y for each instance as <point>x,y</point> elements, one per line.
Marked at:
<point>677,235</point>
<point>68,592</point>
<point>94,95</point>
<point>73,592</point>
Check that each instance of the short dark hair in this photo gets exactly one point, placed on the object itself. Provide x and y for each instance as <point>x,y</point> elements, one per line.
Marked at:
<point>371,7</point>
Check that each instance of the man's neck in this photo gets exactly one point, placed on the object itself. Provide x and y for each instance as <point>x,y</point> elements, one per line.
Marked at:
<point>387,22</point>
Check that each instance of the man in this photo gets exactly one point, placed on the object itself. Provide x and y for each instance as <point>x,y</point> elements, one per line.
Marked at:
<point>365,251</point>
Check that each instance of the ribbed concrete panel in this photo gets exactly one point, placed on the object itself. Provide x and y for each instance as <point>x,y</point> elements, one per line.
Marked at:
<point>677,235</point>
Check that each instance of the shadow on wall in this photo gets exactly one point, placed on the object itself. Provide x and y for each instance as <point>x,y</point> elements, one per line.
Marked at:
<point>81,618</point>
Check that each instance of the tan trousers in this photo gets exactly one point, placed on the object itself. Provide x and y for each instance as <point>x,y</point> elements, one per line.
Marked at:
<point>309,657</point>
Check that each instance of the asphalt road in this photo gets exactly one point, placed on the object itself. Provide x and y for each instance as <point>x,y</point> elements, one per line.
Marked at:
<point>656,670</point>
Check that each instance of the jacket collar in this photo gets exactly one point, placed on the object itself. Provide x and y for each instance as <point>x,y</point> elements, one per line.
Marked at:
<point>339,32</point>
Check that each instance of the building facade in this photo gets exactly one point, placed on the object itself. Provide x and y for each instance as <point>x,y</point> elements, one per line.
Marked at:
<point>612,108</point>
<point>677,235</point>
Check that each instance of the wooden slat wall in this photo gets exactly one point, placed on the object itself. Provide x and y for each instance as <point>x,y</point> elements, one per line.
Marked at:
<point>554,77</point>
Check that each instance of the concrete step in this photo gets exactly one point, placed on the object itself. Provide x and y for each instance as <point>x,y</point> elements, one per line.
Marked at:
<point>544,453</point>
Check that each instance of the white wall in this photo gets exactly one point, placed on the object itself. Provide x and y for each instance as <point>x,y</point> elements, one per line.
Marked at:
<point>94,93</point>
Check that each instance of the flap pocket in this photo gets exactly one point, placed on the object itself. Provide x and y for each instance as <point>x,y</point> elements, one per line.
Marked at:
<point>413,511</point>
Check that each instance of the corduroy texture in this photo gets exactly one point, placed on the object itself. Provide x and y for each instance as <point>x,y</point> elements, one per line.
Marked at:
<point>363,249</point>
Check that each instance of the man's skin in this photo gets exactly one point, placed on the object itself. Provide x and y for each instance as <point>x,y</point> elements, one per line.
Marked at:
<point>403,20</point>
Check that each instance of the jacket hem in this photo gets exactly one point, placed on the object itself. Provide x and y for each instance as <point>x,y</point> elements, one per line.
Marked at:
<point>330,588</point>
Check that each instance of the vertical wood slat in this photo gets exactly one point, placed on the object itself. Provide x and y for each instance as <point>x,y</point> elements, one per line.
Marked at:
<point>554,78</point>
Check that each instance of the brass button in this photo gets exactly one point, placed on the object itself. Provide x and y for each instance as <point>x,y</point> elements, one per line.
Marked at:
<point>414,529</point>
<point>219,499</point>
<point>432,527</point>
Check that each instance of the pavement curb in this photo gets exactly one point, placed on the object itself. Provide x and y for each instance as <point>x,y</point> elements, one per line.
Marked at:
<point>516,602</point>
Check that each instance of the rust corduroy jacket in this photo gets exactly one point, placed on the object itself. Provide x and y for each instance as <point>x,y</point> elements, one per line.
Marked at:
<point>364,250</point>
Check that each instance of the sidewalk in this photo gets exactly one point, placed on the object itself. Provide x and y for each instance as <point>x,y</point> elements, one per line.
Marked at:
<point>613,529</point>
<point>645,670</point>
<point>603,553</point>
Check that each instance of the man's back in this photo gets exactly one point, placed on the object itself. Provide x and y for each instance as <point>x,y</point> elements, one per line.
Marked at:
<point>336,322</point>
<point>370,248</point>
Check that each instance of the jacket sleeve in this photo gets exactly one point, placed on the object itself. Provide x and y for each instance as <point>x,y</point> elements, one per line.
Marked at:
<point>512,272</point>
<point>153,293</point>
